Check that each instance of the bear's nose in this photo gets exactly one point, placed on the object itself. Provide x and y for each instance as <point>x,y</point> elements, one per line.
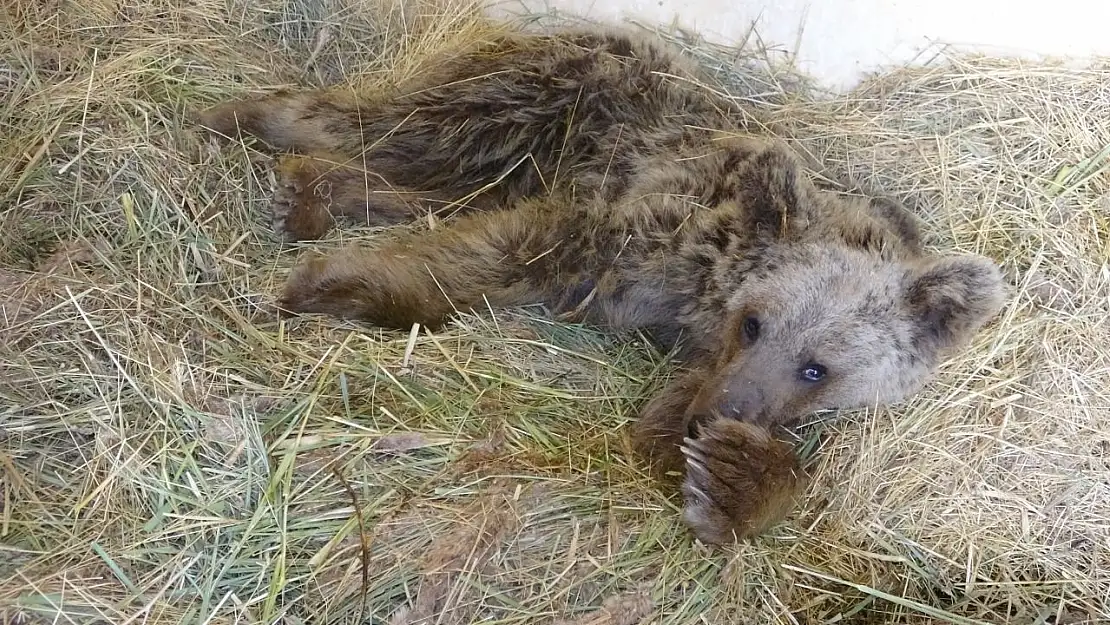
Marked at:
<point>744,402</point>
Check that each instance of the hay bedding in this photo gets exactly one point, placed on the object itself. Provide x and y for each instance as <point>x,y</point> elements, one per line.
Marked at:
<point>170,454</point>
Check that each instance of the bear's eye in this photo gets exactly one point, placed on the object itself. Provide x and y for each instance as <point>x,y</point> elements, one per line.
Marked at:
<point>751,328</point>
<point>813,372</point>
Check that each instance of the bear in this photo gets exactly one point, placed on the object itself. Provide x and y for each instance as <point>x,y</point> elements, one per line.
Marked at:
<point>591,170</point>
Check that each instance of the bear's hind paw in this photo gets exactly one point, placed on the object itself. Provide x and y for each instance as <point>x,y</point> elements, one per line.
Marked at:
<point>300,207</point>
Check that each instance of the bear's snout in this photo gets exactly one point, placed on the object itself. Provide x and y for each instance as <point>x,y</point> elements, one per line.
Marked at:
<point>742,404</point>
<point>731,397</point>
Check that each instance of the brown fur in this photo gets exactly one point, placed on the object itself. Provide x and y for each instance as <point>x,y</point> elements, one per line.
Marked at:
<point>593,175</point>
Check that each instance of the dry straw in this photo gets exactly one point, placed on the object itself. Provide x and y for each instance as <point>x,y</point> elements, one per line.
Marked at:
<point>169,453</point>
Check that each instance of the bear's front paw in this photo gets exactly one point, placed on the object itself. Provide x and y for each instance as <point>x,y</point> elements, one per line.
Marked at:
<point>740,480</point>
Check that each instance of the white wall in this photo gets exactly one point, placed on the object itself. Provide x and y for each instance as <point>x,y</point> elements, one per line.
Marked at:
<point>836,41</point>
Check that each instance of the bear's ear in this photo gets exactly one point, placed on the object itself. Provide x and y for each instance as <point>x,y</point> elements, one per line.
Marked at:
<point>951,297</point>
<point>776,194</point>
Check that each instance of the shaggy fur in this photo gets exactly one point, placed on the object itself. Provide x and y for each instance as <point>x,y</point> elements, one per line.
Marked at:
<point>592,174</point>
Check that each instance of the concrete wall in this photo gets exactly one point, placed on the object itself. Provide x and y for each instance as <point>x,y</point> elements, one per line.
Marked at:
<point>837,41</point>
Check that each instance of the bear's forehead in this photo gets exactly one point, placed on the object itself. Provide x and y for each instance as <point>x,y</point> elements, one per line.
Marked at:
<point>830,293</point>
<point>833,278</point>
<point>865,317</point>
<point>838,333</point>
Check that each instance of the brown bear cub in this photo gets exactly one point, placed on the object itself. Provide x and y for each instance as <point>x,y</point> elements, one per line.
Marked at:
<point>590,171</point>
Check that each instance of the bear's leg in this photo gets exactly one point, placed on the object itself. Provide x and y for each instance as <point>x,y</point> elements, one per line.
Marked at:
<point>663,424</point>
<point>369,158</point>
<point>503,258</point>
<point>308,121</point>
<point>900,221</point>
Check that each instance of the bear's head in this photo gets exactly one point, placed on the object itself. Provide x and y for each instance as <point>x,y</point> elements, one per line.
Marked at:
<point>837,309</point>
<point>833,327</point>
